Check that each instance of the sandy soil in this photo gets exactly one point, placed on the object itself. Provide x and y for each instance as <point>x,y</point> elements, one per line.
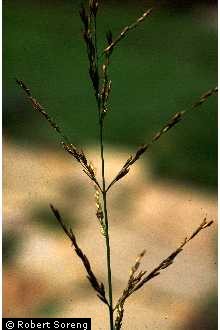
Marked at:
<point>144,214</point>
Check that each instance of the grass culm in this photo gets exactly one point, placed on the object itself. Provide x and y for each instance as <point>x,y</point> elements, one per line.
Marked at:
<point>99,67</point>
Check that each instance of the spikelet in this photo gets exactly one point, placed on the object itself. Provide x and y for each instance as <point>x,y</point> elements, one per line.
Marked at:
<point>99,211</point>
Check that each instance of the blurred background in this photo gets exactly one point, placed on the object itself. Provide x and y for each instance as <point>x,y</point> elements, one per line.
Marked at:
<point>160,68</point>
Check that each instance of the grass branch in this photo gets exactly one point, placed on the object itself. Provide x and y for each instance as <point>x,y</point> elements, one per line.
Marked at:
<point>96,285</point>
<point>102,86</point>
<point>136,282</point>
<point>173,121</point>
<point>65,142</point>
<point>125,31</point>
<point>39,108</point>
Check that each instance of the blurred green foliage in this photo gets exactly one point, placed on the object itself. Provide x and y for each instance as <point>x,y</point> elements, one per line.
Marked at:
<point>49,307</point>
<point>43,217</point>
<point>162,67</point>
<point>11,243</point>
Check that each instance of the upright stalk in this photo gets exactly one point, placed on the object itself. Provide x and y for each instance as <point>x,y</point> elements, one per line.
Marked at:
<point>104,191</point>
<point>108,252</point>
<point>102,88</point>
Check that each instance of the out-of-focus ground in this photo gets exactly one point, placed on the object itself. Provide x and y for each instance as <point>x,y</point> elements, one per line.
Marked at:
<point>43,277</point>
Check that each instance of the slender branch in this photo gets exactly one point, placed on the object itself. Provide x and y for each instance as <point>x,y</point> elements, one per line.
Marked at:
<point>107,84</point>
<point>38,107</point>
<point>70,148</point>
<point>136,282</point>
<point>170,259</point>
<point>98,287</point>
<point>79,155</point>
<point>125,31</point>
<point>175,119</point>
<point>133,280</point>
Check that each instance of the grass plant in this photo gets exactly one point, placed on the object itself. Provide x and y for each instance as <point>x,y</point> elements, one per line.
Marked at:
<point>99,65</point>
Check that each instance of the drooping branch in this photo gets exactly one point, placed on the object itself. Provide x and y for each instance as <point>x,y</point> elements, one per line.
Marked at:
<point>175,119</point>
<point>39,108</point>
<point>96,285</point>
<point>70,148</point>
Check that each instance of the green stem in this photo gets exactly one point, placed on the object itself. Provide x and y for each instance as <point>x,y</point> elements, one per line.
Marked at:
<point>108,252</point>
<point>104,194</point>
